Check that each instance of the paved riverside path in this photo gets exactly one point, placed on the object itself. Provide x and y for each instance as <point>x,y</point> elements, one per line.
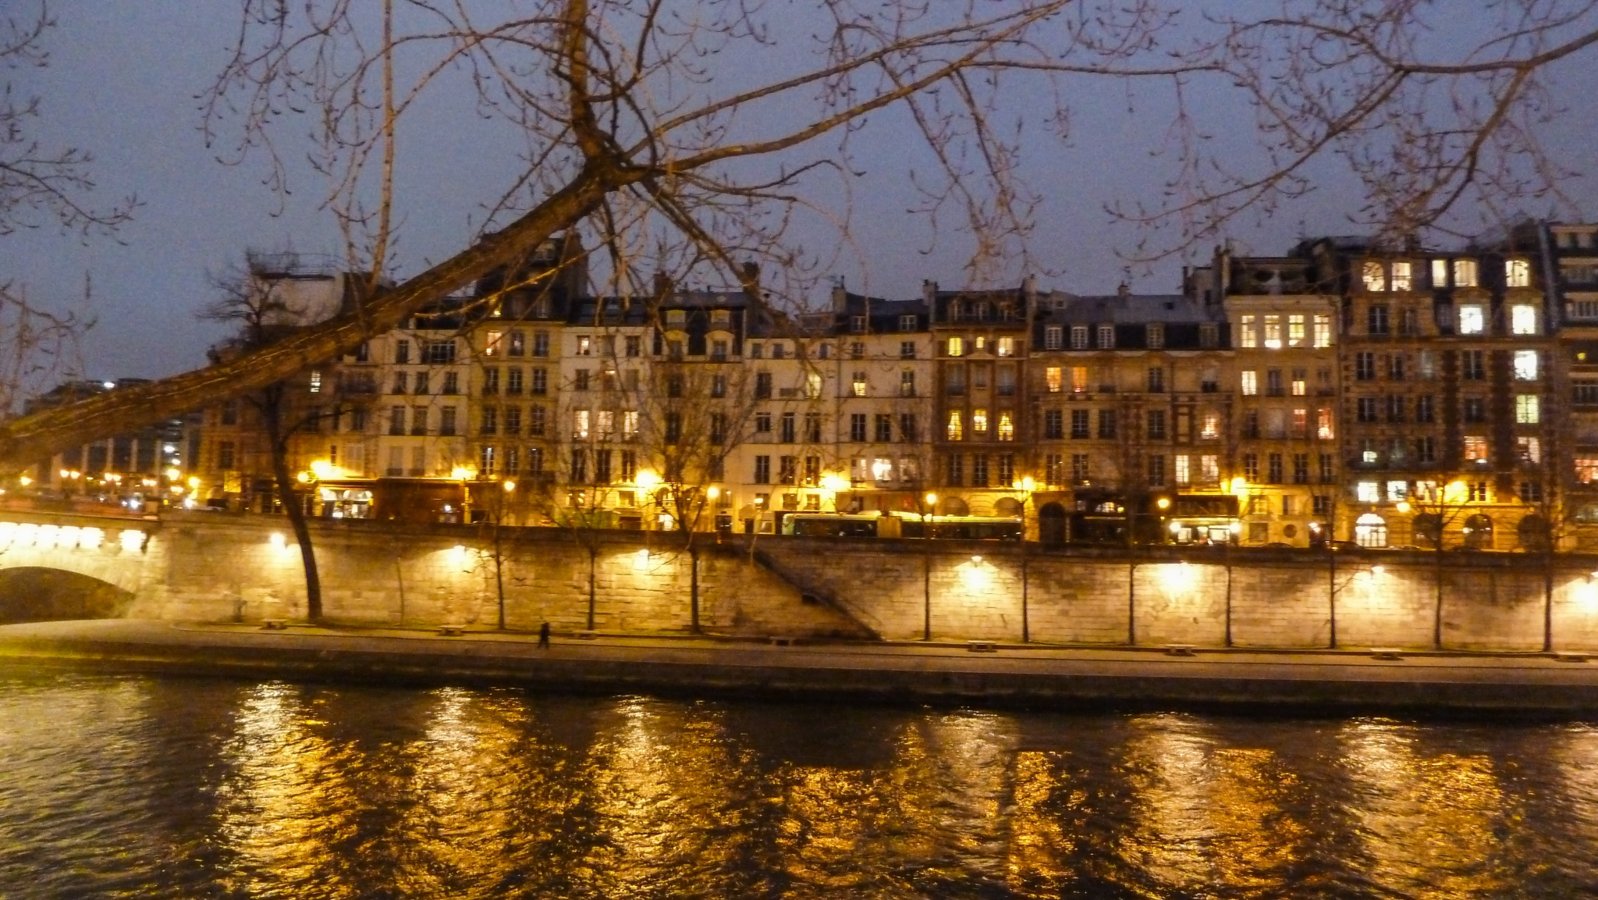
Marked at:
<point>1041,676</point>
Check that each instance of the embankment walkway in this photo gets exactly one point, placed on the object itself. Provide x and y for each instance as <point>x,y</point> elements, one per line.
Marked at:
<point>1410,683</point>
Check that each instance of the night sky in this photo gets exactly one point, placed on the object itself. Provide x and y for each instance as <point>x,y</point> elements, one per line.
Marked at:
<point>122,83</point>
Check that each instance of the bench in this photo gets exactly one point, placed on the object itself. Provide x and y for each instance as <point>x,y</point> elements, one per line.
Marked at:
<point>1179,649</point>
<point>452,630</point>
<point>275,624</point>
<point>1386,653</point>
<point>981,647</point>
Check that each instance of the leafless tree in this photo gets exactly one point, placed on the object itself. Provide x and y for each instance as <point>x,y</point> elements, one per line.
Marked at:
<point>705,128</point>
<point>252,302</point>
<point>40,186</point>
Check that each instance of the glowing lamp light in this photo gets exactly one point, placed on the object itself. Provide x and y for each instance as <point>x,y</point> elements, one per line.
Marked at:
<point>648,479</point>
<point>641,560</point>
<point>1163,504</point>
<point>832,483</point>
<point>131,539</point>
<point>277,540</point>
<point>508,485</point>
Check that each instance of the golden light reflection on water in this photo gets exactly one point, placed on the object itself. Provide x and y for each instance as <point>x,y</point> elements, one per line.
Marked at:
<point>937,798</point>
<point>1433,822</point>
<point>456,794</point>
<point>279,808</point>
<point>1204,815</point>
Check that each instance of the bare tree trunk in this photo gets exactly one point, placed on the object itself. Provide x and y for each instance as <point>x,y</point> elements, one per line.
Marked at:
<point>271,412</point>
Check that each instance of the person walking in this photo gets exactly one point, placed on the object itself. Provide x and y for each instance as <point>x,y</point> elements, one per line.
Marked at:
<point>543,636</point>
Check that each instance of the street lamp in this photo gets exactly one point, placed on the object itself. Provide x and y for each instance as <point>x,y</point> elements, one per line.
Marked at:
<point>931,503</point>
<point>1026,486</point>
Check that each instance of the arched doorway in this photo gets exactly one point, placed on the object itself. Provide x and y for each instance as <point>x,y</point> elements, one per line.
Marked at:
<point>1479,532</point>
<point>1534,533</point>
<point>1008,507</point>
<point>953,506</point>
<point>1370,530</point>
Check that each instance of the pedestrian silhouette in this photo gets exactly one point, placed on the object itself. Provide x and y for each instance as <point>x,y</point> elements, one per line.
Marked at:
<point>543,636</point>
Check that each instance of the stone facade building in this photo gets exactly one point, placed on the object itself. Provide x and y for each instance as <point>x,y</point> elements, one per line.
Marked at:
<point>1344,391</point>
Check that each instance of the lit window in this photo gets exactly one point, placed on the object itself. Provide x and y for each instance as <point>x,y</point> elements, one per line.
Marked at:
<point>1401,277</point>
<point>1464,273</point>
<point>1475,448</point>
<point>1210,427</point>
<point>1052,379</point>
<point>1523,319</point>
<point>1273,332</point>
<point>956,427</point>
<point>1249,382</point>
<point>1006,427</point>
<point>1295,330</point>
<point>1526,409</point>
<point>1375,275</point>
<point>1517,273</point>
<point>1525,365</point>
<point>1323,329</point>
<point>1079,379</point>
<point>859,384</point>
<point>1246,336</point>
<point>956,346</point>
<point>1472,319</point>
<point>1005,346</point>
<point>979,421</point>
<point>491,343</point>
<point>1323,424</point>
<point>316,381</point>
<point>580,423</point>
<point>1368,492</point>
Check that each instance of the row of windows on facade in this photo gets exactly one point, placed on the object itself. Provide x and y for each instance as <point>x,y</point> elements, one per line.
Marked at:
<point>1472,366</point>
<point>1395,408</point>
<point>1475,450</point>
<point>1525,365</point>
<point>1379,276</point>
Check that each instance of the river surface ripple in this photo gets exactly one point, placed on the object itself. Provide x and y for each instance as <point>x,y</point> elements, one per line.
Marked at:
<point>134,786</point>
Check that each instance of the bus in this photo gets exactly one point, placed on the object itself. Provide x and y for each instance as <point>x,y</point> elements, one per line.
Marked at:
<point>1203,519</point>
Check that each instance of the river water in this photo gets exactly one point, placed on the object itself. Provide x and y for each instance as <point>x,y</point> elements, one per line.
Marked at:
<point>135,786</point>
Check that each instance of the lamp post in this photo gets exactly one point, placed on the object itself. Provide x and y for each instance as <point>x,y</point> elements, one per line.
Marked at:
<point>1026,486</point>
<point>931,502</point>
<point>507,487</point>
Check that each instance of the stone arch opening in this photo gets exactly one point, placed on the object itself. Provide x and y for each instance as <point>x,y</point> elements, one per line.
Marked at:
<point>1479,532</point>
<point>953,506</point>
<point>1534,532</point>
<point>1370,530</point>
<point>39,594</point>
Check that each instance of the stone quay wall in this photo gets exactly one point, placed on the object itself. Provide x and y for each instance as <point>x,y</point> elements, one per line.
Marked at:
<point>209,566</point>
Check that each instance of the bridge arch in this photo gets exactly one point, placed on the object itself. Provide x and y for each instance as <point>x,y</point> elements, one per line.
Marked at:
<point>42,594</point>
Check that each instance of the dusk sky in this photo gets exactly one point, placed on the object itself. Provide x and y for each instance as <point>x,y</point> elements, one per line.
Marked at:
<point>122,83</point>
